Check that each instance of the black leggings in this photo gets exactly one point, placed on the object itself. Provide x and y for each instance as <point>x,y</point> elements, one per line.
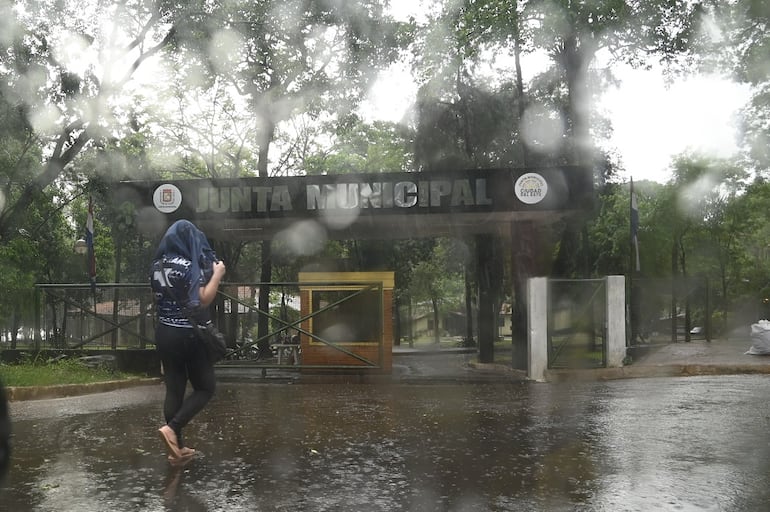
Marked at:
<point>184,357</point>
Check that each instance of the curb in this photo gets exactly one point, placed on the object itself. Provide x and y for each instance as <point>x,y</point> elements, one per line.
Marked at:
<point>669,370</point>
<point>475,373</point>
<point>22,393</point>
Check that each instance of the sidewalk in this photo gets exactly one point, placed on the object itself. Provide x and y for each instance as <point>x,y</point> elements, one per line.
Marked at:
<point>721,352</point>
<point>459,365</point>
<point>698,357</point>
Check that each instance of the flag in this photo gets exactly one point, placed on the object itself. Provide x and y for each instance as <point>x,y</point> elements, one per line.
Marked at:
<point>90,244</point>
<point>634,226</point>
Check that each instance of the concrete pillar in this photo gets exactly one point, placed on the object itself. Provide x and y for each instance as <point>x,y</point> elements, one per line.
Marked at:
<point>537,320</point>
<point>616,321</point>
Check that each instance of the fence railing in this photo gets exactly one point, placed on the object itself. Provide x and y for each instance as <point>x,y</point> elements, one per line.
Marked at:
<point>108,316</point>
<point>116,316</point>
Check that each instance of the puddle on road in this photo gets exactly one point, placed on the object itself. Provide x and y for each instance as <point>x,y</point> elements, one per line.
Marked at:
<point>663,444</point>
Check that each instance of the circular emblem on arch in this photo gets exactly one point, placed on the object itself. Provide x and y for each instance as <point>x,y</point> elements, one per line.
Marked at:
<point>167,198</point>
<point>531,188</point>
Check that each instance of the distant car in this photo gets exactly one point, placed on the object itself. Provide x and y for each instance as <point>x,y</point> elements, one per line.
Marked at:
<point>696,331</point>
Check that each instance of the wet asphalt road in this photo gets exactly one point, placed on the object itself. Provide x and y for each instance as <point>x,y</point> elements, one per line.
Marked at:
<point>678,444</point>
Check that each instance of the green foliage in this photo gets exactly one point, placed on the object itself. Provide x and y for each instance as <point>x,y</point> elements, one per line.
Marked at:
<point>17,278</point>
<point>47,373</point>
<point>241,73</point>
<point>707,222</point>
<point>358,147</point>
<point>609,232</point>
<point>287,315</point>
<point>68,76</point>
<point>474,130</point>
<point>439,279</point>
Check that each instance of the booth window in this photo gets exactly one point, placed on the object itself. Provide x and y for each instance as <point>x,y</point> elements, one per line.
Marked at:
<point>354,315</point>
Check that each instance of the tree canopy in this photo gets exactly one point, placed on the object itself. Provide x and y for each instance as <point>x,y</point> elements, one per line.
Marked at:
<point>97,92</point>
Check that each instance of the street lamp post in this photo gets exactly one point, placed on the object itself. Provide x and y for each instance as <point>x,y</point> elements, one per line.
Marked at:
<point>81,249</point>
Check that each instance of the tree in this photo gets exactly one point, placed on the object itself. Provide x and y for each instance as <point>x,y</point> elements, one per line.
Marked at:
<point>608,232</point>
<point>291,57</point>
<point>753,261</point>
<point>38,248</point>
<point>705,228</point>
<point>740,44</point>
<point>360,147</point>
<point>68,77</point>
<point>208,133</point>
<point>438,280</point>
<point>466,120</point>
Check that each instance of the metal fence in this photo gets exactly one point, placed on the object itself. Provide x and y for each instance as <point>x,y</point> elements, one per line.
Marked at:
<point>122,316</point>
<point>107,316</point>
<point>663,310</point>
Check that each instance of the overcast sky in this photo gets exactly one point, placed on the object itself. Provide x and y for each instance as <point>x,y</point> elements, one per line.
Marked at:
<point>653,121</point>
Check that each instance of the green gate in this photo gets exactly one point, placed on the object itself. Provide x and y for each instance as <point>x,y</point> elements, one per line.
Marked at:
<point>577,323</point>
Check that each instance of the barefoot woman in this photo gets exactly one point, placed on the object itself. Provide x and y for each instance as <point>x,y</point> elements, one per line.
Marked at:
<point>185,278</point>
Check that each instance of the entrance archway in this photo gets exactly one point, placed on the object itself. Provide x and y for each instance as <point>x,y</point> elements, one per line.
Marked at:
<point>510,203</point>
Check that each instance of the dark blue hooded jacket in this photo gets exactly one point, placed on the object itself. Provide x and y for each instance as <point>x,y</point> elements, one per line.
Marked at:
<point>183,262</point>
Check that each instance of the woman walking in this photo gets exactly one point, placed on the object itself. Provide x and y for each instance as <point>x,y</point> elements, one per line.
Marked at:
<point>185,277</point>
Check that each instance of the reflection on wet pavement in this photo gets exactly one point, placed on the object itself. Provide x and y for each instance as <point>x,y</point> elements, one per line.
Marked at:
<point>695,443</point>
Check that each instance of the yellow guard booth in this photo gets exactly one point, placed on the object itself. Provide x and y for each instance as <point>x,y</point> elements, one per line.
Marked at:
<point>349,315</point>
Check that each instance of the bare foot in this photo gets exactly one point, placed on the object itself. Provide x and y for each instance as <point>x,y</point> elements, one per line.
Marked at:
<point>169,437</point>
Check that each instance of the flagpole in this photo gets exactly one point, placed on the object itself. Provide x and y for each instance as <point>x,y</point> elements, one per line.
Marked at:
<point>631,334</point>
<point>631,228</point>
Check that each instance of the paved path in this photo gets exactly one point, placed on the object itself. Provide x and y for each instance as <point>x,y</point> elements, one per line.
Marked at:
<point>632,445</point>
<point>724,352</point>
<point>728,354</point>
<point>718,357</point>
<point>700,357</point>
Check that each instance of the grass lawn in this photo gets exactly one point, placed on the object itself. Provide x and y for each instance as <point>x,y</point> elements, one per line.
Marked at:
<point>47,373</point>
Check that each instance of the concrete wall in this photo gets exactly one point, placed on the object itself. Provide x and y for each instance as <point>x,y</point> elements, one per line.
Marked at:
<point>616,321</point>
<point>537,321</point>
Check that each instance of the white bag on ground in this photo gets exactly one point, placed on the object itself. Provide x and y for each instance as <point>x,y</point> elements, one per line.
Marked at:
<point>760,338</point>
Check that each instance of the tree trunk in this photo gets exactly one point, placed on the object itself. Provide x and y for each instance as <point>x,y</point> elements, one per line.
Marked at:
<point>485,256</point>
<point>575,58</point>
<point>686,288</point>
<point>410,316</point>
<point>522,104</point>
<point>522,246</point>
<point>263,323</point>
<point>249,323</point>
<point>116,292</point>
<point>396,321</point>
<point>674,272</point>
<point>436,329</point>
<point>520,262</point>
<point>469,341</point>
<point>266,272</point>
